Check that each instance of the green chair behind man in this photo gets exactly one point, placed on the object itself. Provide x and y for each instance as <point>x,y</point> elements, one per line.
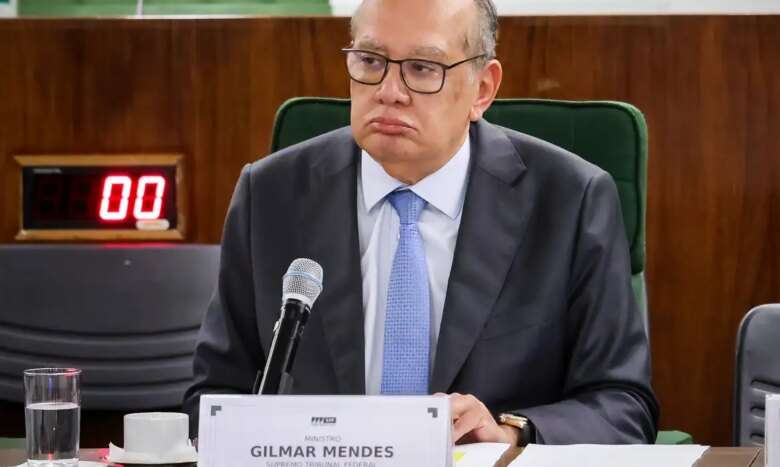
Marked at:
<point>611,135</point>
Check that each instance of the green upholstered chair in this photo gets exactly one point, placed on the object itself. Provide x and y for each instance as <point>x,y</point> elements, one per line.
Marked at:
<point>612,135</point>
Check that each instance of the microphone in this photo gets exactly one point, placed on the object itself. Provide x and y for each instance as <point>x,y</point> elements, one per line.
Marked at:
<point>301,286</point>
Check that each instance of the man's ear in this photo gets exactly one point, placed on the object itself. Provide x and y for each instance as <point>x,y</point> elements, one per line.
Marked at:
<point>489,81</point>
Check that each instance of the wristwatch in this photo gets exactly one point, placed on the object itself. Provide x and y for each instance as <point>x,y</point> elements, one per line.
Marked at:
<point>527,430</point>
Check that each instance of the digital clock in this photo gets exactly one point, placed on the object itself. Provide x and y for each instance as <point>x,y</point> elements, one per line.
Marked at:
<point>101,197</point>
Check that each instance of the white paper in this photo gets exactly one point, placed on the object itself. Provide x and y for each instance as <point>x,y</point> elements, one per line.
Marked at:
<point>591,455</point>
<point>772,430</point>
<point>478,454</point>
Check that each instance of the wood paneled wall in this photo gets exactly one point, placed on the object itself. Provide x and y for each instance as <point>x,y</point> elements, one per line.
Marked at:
<point>209,88</point>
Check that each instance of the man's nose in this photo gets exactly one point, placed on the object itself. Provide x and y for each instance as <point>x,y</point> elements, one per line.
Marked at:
<point>392,89</point>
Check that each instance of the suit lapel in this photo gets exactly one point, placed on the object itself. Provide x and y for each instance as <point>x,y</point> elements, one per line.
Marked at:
<point>328,225</point>
<point>493,222</point>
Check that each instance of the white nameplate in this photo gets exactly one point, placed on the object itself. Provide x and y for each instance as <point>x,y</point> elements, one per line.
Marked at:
<point>772,431</point>
<point>324,431</point>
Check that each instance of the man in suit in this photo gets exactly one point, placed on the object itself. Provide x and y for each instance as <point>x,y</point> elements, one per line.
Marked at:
<point>460,257</point>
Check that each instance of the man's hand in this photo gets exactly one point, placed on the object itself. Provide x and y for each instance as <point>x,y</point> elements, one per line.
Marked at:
<point>473,423</point>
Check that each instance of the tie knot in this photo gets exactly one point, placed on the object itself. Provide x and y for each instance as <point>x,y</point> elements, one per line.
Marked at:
<point>407,204</point>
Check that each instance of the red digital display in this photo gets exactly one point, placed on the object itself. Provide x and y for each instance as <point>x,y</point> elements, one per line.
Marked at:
<point>115,201</point>
<point>98,197</point>
<point>115,198</point>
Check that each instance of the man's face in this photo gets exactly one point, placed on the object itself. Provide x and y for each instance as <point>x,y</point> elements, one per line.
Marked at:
<point>402,129</point>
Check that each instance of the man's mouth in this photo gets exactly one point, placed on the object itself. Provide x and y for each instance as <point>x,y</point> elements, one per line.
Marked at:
<point>389,125</point>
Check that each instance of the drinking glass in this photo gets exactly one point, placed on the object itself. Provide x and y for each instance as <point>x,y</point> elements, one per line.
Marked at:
<point>52,414</point>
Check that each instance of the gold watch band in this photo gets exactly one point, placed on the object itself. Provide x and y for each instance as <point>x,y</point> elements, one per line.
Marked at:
<point>513,420</point>
<point>522,424</point>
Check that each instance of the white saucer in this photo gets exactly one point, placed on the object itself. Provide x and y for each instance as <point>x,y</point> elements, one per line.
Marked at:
<point>182,455</point>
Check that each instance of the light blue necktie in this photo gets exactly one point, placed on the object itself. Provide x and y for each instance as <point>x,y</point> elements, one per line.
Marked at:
<point>407,315</point>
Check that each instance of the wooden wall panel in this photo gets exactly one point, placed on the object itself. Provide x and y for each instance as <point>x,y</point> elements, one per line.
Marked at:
<point>708,87</point>
<point>209,88</point>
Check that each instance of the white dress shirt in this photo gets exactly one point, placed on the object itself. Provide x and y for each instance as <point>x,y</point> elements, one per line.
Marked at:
<point>378,229</point>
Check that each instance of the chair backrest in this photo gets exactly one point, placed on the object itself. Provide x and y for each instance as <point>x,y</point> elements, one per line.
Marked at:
<point>128,316</point>
<point>757,372</point>
<point>612,135</point>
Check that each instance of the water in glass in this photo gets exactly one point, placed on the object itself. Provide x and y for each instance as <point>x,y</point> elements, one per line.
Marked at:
<point>52,434</point>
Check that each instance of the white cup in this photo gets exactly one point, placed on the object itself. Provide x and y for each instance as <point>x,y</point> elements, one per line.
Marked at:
<point>156,433</point>
<point>772,431</point>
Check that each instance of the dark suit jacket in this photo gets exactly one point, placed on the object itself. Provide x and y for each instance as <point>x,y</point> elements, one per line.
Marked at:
<point>539,317</point>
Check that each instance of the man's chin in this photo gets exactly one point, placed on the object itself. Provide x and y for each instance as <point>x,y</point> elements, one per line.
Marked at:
<point>385,147</point>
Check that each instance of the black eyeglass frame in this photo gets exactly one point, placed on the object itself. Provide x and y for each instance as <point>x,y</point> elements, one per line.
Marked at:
<point>400,63</point>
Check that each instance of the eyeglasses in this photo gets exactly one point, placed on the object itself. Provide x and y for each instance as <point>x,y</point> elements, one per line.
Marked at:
<point>421,76</point>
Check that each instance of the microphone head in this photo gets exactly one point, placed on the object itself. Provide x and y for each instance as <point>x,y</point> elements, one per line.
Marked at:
<point>303,281</point>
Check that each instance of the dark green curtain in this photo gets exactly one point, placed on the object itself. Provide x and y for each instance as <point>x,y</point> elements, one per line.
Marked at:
<point>172,7</point>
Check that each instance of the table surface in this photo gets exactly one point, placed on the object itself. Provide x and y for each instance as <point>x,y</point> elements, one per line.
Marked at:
<point>713,457</point>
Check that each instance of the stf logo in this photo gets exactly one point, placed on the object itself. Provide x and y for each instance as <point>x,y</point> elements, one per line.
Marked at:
<point>321,421</point>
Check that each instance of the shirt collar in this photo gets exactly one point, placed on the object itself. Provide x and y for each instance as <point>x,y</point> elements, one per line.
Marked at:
<point>444,189</point>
